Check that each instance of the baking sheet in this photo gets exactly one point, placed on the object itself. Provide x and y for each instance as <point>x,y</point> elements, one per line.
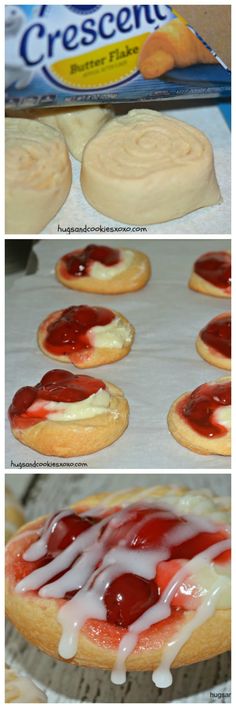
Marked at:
<point>162,364</point>
<point>63,683</point>
<point>77,213</point>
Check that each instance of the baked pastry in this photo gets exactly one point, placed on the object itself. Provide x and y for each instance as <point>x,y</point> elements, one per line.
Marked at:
<point>104,270</point>
<point>86,336</point>
<point>145,168</point>
<point>174,45</point>
<point>211,274</point>
<point>14,514</point>
<point>38,175</point>
<point>21,689</point>
<point>78,124</point>
<point>201,419</point>
<point>213,342</point>
<point>134,580</point>
<point>68,415</point>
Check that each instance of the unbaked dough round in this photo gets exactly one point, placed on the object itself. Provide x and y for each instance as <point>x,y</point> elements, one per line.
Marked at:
<point>146,168</point>
<point>78,124</point>
<point>38,175</point>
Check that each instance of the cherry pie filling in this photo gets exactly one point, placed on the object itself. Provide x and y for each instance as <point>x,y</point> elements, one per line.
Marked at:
<point>145,528</point>
<point>198,408</point>
<point>70,331</point>
<point>217,335</point>
<point>57,385</point>
<point>215,267</point>
<point>78,263</point>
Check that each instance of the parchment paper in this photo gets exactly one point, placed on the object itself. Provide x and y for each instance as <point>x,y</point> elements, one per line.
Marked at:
<point>76,212</point>
<point>162,364</point>
<point>70,684</point>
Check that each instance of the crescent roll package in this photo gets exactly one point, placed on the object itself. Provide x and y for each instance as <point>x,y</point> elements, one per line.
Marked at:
<point>60,55</point>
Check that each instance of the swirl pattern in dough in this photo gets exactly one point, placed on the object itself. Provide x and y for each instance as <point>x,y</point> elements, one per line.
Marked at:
<point>38,175</point>
<point>145,168</point>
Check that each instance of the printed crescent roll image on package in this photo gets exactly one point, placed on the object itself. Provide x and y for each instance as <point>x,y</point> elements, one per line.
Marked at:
<point>79,54</point>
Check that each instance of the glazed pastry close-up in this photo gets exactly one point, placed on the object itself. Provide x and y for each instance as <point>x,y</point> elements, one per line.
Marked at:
<point>131,580</point>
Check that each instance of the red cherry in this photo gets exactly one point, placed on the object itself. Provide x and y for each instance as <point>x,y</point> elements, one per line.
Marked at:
<point>66,530</point>
<point>23,399</point>
<point>54,376</point>
<point>149,532</point>
<point>128,597</point>
<point>78,262</point>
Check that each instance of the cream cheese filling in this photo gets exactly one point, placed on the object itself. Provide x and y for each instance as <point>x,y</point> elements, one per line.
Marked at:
<point>222,416</point>
<point>111,336</point>
<point>102,272</point>
<point>96,404</point>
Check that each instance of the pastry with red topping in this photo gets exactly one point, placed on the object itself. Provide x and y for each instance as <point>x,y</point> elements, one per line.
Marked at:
<point>136,580</point>
<point>211,274</point>
<point>104,270</point>
<point>68,415</point>
<point>201,419</point>
<point>213,342</point>
<point>86,336</point>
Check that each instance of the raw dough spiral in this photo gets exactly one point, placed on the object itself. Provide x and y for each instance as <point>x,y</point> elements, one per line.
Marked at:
<point>145,168</point>
<point>78,124</point>
<point>38,175</point>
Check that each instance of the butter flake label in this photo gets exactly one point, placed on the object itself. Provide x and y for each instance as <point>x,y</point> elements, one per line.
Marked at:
<point>69,54</point>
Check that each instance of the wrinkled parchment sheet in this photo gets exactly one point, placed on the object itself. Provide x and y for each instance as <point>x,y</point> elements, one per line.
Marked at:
<point>162,364</point>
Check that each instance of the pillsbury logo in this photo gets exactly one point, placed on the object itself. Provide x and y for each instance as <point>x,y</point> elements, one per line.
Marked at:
<point>83,9</point>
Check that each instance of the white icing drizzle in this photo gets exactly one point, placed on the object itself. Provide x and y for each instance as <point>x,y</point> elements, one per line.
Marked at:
<point>162,610</point>
<point>80,574</point>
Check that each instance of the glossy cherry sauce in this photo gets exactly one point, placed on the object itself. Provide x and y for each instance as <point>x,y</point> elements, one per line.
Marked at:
<point>129,595</point>
<point>217,335</point>
<point>198,408</point>
<point>56,385</point>
<point>69,333</point>
<point>78,263</point>
<point>215,267</point>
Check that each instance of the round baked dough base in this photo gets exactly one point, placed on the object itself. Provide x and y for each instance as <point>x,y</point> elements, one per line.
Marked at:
<point>14,514</point>
<point>148,168</point>
<point>200,285</point>
<point>79,437</point>
<point>132,278</point>
<point>186,436</point>
<point>86,358</point>
<point>212,356</point>
<point>36,618</point>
